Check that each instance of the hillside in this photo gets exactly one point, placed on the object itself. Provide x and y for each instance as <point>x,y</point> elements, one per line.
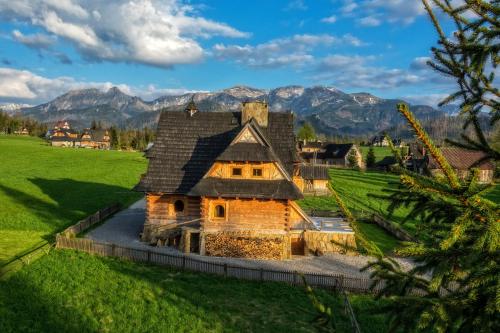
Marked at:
<point>57,187</point>
<point>331,111</point>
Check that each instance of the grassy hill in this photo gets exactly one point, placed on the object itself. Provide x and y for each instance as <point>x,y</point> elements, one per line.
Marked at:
<point>68,291</point>
<point>43,189</point>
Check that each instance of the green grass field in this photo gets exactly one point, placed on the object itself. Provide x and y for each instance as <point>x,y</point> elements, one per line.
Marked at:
<point>44,189</point>
<point>380,152</point>
<point>68,291</point>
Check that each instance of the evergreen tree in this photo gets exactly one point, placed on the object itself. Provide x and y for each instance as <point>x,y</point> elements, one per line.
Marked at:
<point>114,138</point>
<point>457,272</point>
<point>352,159</point>
<point>306,132</point>
<point>370,158</point>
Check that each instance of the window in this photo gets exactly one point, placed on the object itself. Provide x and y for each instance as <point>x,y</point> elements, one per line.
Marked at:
<point>257,172</point>
<point>237,172</point>
<point>179,206</point>
<point>219,211</point>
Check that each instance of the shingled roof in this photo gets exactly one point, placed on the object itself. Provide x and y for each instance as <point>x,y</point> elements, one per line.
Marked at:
<point>311,172</point>
<point>187,146</point>
<point>244,188</point>
<point>463,159</point>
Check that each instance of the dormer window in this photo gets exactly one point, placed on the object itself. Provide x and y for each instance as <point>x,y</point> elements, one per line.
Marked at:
<point>257,172</point>
<point>237,172</point>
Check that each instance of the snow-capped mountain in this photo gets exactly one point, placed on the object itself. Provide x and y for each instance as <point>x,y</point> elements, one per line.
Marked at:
<point>330,110</point>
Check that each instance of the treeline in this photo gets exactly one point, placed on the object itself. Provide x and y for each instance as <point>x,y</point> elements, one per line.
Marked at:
<point>130,139</point>
<point>13,124</point>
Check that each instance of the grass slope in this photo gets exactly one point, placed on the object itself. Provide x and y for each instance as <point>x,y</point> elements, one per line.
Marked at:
<point>380,152</point>
<point>43,189</point>
<point>68,291</point>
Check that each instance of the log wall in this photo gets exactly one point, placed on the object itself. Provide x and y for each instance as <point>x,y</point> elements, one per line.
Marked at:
<point>246,214</point>
<point>160,208</point>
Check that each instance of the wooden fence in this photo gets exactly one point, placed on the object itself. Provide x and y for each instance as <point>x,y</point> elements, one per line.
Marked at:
<point>91,220</point>
<point>17,262</point>
<point>328,281</point>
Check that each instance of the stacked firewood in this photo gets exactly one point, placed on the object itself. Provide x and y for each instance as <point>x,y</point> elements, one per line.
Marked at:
<point>240,245</point>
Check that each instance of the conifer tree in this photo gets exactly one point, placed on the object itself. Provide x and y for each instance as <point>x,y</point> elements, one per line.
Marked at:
<point>455,285</point>
<point>306,132</point>
<point>370,158</point>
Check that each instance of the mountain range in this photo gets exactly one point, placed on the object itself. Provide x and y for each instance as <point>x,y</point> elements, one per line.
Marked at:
<point>329,110</point>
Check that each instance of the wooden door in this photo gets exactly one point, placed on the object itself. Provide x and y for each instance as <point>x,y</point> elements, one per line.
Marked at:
<point>297,242</point>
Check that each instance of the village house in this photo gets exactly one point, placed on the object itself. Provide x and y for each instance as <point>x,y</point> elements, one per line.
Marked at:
<point>95,139</point>
<point>381,141</point>
<point>334,154</point>
<point>313,179</point>
<point>462,161</point>
<point>62,135</point>
<point>221,184</point>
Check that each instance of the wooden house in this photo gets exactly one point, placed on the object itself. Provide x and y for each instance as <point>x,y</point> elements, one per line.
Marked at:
<point>334,154</point>
<point>462,161</point>
<point>220,184</point>
<point>62,135</point>
<point>313,179</point>
<point>95,139</point>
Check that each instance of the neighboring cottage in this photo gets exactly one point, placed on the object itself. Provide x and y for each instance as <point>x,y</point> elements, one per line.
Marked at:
<point>62,135</point>
<point>462,161</point>
<point>95,139</point>
<point>220,184</point>
<point>381,141</point>
<point>313,179</point>
<point>335,154</point>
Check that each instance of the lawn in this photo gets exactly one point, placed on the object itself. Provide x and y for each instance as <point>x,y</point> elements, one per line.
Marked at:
<point>380,152</point>
<point>68,291</point>
<point>358,189</point>
<point>43,189</point>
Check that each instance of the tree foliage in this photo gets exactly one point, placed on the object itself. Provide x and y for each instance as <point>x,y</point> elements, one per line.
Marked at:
<point>455,286</point>
<point>11,124</point>
<point>370,158</point>
<point>306,132</point>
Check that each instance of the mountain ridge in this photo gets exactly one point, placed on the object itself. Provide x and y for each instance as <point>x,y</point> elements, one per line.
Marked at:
<point>330,110</point>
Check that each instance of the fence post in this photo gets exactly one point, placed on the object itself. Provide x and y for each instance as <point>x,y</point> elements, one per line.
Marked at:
<point>149,255</point>
<point>113,247</point>
<point>262,274</point>
<point>183,262</point>
<point>294,277</point>
<point>225,270</point>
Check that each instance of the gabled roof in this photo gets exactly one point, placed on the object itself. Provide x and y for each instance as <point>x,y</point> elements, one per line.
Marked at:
<point>247,151</point>
<point>187,146</point>
<point>337,150</point>
<point>311,172</point>
<point>463,159</point>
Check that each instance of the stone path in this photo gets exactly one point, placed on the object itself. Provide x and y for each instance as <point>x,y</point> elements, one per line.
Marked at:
<point>124,227</point>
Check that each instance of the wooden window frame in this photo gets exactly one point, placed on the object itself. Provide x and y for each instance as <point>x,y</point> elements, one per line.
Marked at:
<point>261,172</point>
<point>213,205</point>
<point>234,168</point>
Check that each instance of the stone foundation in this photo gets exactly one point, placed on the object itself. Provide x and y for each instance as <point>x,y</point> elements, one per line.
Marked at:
<point>162,237</point>
<point>247,244</point>
<point>320,242</point>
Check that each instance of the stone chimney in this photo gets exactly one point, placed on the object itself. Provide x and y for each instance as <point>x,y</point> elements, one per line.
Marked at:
<point>257,110</point>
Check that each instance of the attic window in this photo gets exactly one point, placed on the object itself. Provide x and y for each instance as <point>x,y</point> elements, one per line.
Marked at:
<point>179,206</point>
<point>257,172</point>
<point>219,211</point>
<point>237,172</point>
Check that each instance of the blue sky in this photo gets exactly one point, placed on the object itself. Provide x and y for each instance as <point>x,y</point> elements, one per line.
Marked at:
<point>151,48</point>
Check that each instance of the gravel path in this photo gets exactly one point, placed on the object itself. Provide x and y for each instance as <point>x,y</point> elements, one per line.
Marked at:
<point>124,228</point>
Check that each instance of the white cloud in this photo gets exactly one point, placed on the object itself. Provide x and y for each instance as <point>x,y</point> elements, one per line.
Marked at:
<point>37,41</point>
<point>369,21</point>
<point>348,71</point>
<point>330,19</point>
<point>291,51</point>
<point>28,87</point>
<point>152,32</point>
